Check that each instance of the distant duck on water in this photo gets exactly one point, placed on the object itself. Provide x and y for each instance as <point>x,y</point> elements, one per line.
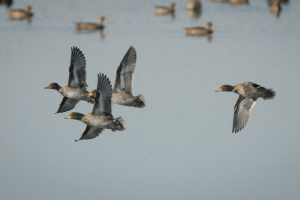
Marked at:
<point>84,26</point>
<point>248,94</point>
<point>76,88</point>
<point>20,13</point>
<point>165,10</point>
<point>197,31</point>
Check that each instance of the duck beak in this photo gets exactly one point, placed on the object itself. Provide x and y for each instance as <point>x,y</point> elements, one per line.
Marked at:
<point>68,117</point>
<point>105,20</point>
<point>47,87</point>
<point>219,90</point>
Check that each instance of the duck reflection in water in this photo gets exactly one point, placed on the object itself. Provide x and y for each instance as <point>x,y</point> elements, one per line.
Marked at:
<point>161,10</point>
<point>8,3</point>
<point>238,2</point>
<point>275,7</point>
<point>201,31</point>
<point>193,9</point>
<point>20,14</point>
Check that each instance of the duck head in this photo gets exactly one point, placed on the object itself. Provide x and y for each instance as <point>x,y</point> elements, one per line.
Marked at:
<point>53,86</point>
<point>227,88</point>
<point>102,19</point>
<point>209,25</point>
<point>75,115</point>
<point>93,94</point>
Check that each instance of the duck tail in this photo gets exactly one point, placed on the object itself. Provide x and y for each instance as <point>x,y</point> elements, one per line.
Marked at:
<point>121,122</point>
<point>269,94</point>
<point>142,99</point>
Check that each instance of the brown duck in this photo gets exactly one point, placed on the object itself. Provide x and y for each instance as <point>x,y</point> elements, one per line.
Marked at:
<point>197,31</point>
<point>122,91</point>
<point>248,94</point>
<point>20,13</point>
<point>80,26</point>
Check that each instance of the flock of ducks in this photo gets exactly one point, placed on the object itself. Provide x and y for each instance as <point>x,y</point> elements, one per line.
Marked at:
<point>101,116</point>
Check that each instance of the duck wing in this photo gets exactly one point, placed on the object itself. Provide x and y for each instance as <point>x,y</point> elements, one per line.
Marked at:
<point>90,132</point>
<point>102,105</point>
<point>77,73</point>
<point>67,104</point>
<point>124,75</point>
<point>251,89</point>
<point>242,110</point>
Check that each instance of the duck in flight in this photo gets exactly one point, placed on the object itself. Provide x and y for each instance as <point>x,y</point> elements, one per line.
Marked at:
<point>101,117</point>
<point>122,91</point>
<point>76,88</point>
<point>248,94</point>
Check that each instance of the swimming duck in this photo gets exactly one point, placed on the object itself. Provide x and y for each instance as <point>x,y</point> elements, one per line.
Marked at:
<point>21,14</point>
<point>196,31</point>
<point>248,94</point>
<point>100,118</point>
<point>193,5</point>
<point>165,10</point>
<point>76,88</point>
<point>91,26</point>
<point>122,91</point>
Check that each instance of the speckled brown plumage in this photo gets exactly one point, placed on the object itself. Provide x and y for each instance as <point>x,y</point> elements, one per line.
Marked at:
<point>248,94</point>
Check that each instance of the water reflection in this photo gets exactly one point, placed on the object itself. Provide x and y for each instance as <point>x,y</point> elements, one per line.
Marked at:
<point>238,2</point>
<point>194,14</point>
<point>161,10</point>
<point>194,9</point>
<point>275,9</point>
<point>102,34</point>
<point>8,3</point>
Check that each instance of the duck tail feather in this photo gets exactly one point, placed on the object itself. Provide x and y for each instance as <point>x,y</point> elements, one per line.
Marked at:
<point>121,121</point>
<point>142,99</point>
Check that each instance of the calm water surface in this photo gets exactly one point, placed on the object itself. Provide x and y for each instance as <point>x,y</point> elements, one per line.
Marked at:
<point>180,146</point>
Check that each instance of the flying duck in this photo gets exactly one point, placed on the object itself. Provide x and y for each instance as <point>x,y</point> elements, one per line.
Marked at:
<point>122,91</point>
<point>248,94</point>
<point>76,88</point>
<point>100,118</point>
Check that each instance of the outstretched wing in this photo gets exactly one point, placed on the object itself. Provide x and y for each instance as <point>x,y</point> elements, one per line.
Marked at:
<point>124,75</point>
<point>242,110</point>
<point>67,104</point>
<point>90,132</point>
<point>102,105</point>
<point>77,73</point>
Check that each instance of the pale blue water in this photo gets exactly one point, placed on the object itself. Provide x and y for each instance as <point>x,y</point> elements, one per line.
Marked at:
<point>180,146</point>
